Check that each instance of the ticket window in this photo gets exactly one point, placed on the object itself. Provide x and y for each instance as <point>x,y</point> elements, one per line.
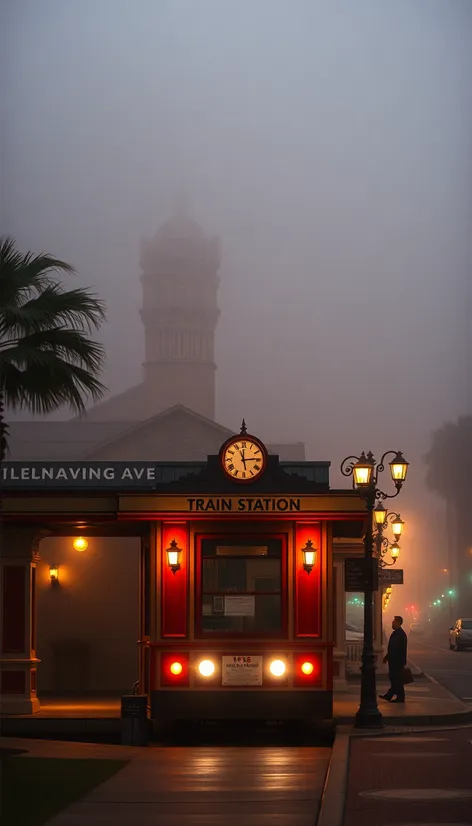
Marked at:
<point>241,587</point>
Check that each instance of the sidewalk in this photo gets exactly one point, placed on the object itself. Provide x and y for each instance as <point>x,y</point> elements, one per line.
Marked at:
<point>427,703</point>
<point>195,786</point>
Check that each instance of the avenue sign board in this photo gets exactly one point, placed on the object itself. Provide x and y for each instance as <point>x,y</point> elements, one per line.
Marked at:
<point>391,576</point>
<point>78,475</point>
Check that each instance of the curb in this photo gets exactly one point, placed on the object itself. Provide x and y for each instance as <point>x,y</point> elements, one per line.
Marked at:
<point>331,811</point>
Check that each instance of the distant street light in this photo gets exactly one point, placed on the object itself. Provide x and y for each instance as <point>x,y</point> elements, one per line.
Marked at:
<point>365,472</point>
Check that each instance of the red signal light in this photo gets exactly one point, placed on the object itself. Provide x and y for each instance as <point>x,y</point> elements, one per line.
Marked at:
<point>308,669</point>
<point>174,669</point>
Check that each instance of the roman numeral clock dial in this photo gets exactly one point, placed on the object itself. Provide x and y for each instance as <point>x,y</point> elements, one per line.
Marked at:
<point>244,458</point>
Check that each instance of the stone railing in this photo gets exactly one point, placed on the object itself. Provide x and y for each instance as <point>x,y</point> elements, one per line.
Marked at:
<point>354,652</point>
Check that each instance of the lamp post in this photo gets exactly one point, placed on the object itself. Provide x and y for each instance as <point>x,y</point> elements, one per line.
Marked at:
<point>365,473</point>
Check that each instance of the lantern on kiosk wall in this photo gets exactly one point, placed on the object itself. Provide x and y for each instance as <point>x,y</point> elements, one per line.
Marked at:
<point>173,553</point>
<point>309,556</point>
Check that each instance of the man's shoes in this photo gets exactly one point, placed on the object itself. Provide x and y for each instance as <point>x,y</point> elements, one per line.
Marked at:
<point>384,697</point>
<point>397,700</point>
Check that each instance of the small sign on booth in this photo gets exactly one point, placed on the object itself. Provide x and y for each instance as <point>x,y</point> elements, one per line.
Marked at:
<point>240,606</point>
<point>241,670</point>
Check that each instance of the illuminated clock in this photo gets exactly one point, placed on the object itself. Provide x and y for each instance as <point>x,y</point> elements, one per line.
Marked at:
<point>244,458</point>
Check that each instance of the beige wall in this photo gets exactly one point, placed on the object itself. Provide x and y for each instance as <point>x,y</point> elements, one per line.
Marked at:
<point>92,616</point>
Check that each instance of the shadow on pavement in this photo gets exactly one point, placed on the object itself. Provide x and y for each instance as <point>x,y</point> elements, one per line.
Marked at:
<point>247,733</point>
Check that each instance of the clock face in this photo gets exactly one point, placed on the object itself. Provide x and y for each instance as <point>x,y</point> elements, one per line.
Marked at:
<point>243,459</point>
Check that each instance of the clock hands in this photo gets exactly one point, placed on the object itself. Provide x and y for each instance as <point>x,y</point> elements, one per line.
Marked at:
<point>243,458</point>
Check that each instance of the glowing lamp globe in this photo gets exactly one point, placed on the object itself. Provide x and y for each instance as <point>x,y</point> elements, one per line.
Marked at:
<point>399,468</point>
<point>362,472</point>
<point>380,514</point>
<point>80,544</point>
<point>395,550</point>
<point>397,526</point>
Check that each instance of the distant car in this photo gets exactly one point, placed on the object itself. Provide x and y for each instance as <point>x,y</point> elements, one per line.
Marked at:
<point>416,628</point>
<point>353,634</point>
<point>460,635</point>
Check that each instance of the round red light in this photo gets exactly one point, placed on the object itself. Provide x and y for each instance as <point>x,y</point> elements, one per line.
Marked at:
<point>307,668</point>
<point>176,668</point>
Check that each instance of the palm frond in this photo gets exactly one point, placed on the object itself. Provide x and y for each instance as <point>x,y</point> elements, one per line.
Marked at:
<point>21,275</point>
<point>47,358</point>
<point>49,385</point>
<point>69,345</point>
<point>54,307</point>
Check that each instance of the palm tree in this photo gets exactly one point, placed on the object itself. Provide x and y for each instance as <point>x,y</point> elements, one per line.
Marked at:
<point>47,357</point>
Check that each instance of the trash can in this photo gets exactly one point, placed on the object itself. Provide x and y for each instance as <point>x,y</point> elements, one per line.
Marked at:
<point>134,720</point>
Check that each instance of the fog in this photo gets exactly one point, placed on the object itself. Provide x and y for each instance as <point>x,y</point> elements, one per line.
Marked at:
<point>327,143</point>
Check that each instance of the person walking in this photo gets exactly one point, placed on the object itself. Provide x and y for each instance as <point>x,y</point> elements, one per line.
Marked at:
<point>396,657</point>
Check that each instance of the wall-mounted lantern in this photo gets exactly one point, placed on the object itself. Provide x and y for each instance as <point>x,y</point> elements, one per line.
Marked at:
<point>309,556</point>
<point>80,544</point>
<point>397,526</point>
<point>54,574</point>
<point>173,556</point>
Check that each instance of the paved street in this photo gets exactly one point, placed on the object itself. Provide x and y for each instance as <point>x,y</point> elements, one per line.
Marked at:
<point>453,669</point>
<point>410,778</point>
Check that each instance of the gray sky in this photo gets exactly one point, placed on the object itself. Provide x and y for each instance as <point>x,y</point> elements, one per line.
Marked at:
<point>328,144</point>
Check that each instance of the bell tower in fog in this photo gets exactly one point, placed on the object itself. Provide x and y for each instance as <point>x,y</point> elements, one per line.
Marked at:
<point>180,313</point>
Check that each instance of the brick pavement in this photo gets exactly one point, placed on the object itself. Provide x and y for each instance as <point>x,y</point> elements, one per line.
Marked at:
<point>439,760</point>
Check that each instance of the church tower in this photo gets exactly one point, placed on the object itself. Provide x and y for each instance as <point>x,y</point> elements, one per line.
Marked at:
<point>180,313</point>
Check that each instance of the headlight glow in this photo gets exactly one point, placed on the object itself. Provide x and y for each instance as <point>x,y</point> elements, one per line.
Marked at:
<point>277,668</point>
<point>206,668</point>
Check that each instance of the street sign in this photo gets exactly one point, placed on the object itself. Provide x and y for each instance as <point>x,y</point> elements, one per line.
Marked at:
<point>391,577</point>
<point>359,577</point>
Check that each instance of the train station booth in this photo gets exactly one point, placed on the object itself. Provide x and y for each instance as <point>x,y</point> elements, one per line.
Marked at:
<point>241,604</point>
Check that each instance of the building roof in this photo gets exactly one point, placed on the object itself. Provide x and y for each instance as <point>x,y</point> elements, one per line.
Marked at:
<point>133,405</point>
<point>184,435</point>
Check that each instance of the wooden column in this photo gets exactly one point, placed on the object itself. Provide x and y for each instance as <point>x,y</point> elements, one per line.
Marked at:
<point>18,660</point>
<point>340,654</point>
<point>147,596</point>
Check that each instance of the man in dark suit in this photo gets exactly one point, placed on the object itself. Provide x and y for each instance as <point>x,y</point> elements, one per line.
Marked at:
<point>396,659</point>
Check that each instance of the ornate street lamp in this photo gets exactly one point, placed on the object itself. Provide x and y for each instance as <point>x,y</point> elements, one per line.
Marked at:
<point>365,472</point>
<point>382,544</point>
